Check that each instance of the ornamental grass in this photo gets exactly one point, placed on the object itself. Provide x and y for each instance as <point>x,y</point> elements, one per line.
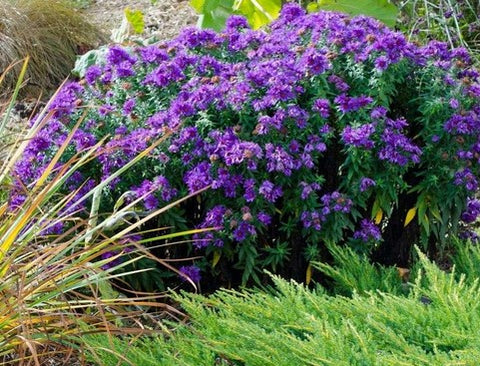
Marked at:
<point>52,286</point>
<point>51,32</point>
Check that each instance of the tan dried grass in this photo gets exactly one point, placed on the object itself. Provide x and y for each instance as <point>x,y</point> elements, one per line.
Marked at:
<point>51,32</point>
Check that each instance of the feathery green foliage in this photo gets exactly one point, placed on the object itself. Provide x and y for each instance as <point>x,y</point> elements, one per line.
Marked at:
<point>436,323</point>
<point>351,273</point>
<point>51,32</point>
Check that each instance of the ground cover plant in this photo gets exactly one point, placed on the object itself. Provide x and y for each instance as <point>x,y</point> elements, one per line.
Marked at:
<point>433,320</point>
<point>51,32</point>
<point>320,129</point>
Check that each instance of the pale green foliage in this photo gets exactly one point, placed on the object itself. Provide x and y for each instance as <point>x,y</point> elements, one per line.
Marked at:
<point>466,259</point>
<point>436,323</point>
<point>353,273</point>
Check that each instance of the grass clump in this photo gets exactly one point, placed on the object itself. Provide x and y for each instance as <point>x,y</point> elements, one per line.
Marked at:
<point>52,285</point>
<point>435,323</point>
<point>51,32</point>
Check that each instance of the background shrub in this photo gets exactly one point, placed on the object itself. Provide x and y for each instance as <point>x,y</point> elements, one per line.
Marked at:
<point>320,129</point>
<point>51,32</point>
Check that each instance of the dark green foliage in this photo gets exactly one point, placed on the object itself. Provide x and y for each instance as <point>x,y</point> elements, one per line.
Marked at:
<point>51,32</point>
<point>436,323</point>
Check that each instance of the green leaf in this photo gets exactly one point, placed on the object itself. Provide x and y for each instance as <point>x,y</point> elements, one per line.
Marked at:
<point>135,18</point>
<point>258,12</point>
<point>313,7</point>
<point>213,13</point>
<point>382,10</point>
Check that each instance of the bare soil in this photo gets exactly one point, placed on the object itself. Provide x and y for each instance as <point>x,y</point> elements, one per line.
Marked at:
<point>164,19</point>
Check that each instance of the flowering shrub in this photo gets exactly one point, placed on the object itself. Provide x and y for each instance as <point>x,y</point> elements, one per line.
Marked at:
<point>322,128</point>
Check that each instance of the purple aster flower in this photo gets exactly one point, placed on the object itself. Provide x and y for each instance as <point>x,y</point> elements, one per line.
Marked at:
<point>339,83</point>
<point>368,231</point>
<point>250,193</point>
<point>264,218</point>
<point>146,190</point>
<point>83,140</point>
<point>128,106</point>
<point>270,191</point>
<point>314,61</point>
<point>359,136</point>
<point>322,106</point>
<point>243,230</point>
<point>472,211</point>
<point>236,22</point>
<point>308,189</point>
<point>116,55</point>
<point>153,54</point>
<point>199,177</point>
<point>469,235</point>
<point>279,160</point>
<point>349,104</point>
<point>66,99</point>
<point>466,178</point>
<point>464,123</point>
<point>454,103</point>
<point>378,112</point>
<point>294,146</point>
<point>382,63</point>
<point>336,202</point>
<point>398,148</point>
<point>190,272</point>
<point>92,74</point>
<point>312,219</point>
<point>366,183</point>
<point>290,12</point>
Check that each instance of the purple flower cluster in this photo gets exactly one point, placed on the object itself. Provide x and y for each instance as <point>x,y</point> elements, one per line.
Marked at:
<point>466,178</point>
<point>359,136</point>
<point>331,203</point>
<point>398,148</point>
<point>190,272</point>
<point>368,231</point>
<point>472,211</point>
<point>260,115</point>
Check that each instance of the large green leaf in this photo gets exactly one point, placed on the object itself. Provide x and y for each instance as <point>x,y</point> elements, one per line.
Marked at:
<point>214,13</point>
<point>258,12</point>
<point>382,10</point>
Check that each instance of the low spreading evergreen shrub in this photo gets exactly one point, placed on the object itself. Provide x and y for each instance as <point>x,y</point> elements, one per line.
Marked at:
<point>51,32</point>
<point>319,129</point>
<point>436,323</point>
